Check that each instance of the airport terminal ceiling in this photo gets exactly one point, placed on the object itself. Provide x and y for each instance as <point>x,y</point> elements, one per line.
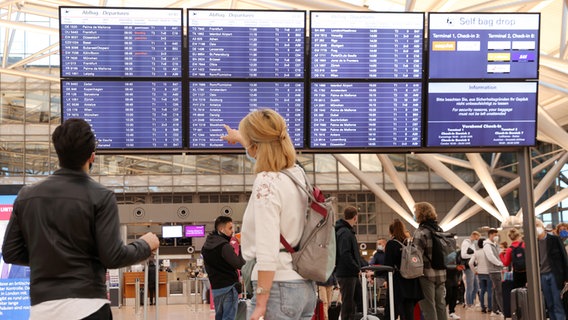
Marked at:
<point>30,103</point>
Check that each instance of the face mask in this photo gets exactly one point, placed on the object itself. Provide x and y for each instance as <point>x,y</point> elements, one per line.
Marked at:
<point>251,159</point>
<point>539,230</point>
<point>381,248</point>
<point>564,233</point>
<point>90,166</point>
<point>496,239</point>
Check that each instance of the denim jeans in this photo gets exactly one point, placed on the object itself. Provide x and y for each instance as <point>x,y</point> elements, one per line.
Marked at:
<point>472,287</point>
<point>226,301</point>
<point>433,305</point>
<point>485,286</point>
<point>552,296</point>
<point>288,300</point>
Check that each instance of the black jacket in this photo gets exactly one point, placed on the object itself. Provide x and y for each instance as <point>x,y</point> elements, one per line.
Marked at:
<point>558,259</point>
<point>348,260</point>
<point>221,261</point>
<point>404,289</point>
<point>66,228</point>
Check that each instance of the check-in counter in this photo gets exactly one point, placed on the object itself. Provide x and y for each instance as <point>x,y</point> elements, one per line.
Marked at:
<point>129,282</point>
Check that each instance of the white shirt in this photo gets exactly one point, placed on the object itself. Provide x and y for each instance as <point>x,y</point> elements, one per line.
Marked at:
<point>466,244</point>
<point>276,206</point>
<point>72,308</point>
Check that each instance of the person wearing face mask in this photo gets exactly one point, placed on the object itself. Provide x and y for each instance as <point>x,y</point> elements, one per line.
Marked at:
<point>379,255</point>
<point>553,270</point>
<point>221,264</point>
<point>494,267</point>
<point>471,282</point>
<point>276,207</point>
<point>562,232</point>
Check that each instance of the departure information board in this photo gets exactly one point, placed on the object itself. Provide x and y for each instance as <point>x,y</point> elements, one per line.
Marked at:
<point>366,115</point>
<point>368,45</point>
<point>482,114</point>
<point>213,104</point>
<point>127,115</point>
<point>246,44</point>
<point>483,46</point>
<point>116,42</point>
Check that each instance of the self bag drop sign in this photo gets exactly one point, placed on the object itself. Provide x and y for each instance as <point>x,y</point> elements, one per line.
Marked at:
<point>14,279</point>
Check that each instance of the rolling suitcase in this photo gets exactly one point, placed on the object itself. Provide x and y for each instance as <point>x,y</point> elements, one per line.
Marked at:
<point>377,269</point>
<point>244,302</point>
<point>519,304</point>
<point>507,288</point>
<point>334,310</point>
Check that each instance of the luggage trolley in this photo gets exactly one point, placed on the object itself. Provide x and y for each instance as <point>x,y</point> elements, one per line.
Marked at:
<point>377,269</point>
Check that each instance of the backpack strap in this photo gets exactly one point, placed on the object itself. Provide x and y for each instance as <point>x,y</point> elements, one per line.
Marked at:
<point>309,190</point>
<point>305,187</point>
<point>286,245</point>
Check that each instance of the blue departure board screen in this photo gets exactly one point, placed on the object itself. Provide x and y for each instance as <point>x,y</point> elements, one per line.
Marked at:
<point>127,114</point>
<point>246,44</point>
<point>213,104</point>
<point>117,42</point>
<point>366,115</point>
<point>482,114</point>
<point>483,46</point>
<point>366,45</point>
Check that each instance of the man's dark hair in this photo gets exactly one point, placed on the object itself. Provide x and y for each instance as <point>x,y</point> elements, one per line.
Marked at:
<point>492,231</point>
<point>350,213</point>
<point>74,142</point>
<point>221,221</point>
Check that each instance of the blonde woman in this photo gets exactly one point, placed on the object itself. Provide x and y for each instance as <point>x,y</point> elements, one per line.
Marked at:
<point>517,248</point>
<point>433,282</point>
<point>276,207</point>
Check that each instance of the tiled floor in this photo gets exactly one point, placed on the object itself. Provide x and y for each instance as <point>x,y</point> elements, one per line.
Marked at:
<point>165,312</point>
<point>202,312</point>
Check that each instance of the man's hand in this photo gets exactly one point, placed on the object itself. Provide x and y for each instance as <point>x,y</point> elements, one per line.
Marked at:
<point>152,240</point>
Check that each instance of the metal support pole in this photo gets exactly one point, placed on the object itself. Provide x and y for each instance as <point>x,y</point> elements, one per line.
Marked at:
<point>533,266</point>
<point>157,275</point>
<point>137,296</point>
<point>391,293</point>
<point>196,292</point>
<point>145,296</point>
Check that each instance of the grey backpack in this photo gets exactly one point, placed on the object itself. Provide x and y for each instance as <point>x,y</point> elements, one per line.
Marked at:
<point>315,257</point>
<point>411,262</point>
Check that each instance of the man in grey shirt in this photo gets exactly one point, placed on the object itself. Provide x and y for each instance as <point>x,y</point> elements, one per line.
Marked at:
<point>494,265</point>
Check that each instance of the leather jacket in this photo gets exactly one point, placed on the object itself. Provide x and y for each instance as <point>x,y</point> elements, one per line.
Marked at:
<point>66,228</point>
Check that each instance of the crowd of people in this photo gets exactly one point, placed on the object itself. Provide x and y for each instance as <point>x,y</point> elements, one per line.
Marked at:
<point>81,216</point>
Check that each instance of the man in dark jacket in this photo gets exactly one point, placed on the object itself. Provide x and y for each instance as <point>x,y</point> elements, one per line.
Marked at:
<point>66,228</point>
<point>221,264</point>
<point>553,270</point>
<point>348,262</point>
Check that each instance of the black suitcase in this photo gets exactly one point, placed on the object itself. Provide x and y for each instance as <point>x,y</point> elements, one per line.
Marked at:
<point>507,288</point>
<point>519,304</point>
<point>334,310</point>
